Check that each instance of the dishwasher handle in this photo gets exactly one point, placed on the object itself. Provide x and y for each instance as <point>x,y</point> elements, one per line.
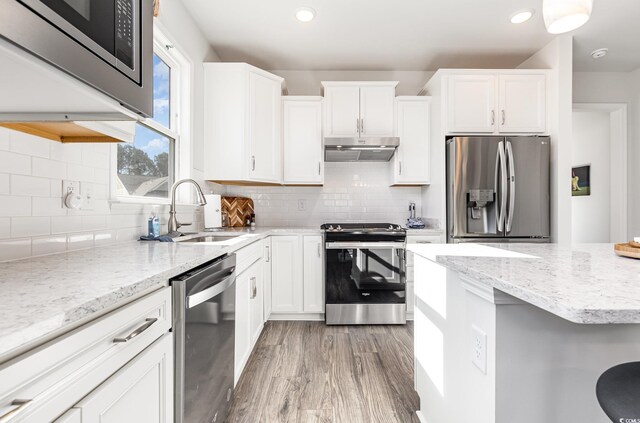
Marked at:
<point>205,295</point>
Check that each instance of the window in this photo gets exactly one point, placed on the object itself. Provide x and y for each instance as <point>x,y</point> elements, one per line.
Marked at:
<point>147,167</point>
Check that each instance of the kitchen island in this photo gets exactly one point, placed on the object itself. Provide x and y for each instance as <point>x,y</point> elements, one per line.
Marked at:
<point>521,332</point>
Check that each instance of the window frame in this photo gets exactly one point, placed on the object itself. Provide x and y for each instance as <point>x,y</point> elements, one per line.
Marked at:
<point>162,48</point>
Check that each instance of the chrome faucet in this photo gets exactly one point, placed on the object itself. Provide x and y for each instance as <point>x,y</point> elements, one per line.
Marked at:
<point>173,222</point>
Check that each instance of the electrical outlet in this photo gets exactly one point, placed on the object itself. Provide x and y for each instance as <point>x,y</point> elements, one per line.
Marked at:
<point>479,348</point>
<point>86,191</point>
<point>302,205</point>
<point>69,187</point>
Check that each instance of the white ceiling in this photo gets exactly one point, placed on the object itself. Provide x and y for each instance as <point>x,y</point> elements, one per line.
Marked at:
<point>406,34</point>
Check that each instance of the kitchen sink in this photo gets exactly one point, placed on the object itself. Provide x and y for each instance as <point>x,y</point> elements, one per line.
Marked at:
<point>208,238</point>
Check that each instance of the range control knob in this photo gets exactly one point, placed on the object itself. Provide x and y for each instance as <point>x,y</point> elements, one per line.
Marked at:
<point>338,228</point>
<point>330,227</point>
<point>390,227</point>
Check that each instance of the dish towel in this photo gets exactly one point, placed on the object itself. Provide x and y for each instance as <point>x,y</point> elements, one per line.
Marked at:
<point>161,238</point>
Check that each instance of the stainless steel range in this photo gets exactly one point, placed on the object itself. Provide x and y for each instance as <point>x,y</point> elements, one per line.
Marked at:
<point>365,269</point>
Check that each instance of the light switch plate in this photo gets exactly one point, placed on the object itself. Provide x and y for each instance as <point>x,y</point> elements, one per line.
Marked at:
<point>302,205</point>
<point>479,348</point>
<point>86,191</point>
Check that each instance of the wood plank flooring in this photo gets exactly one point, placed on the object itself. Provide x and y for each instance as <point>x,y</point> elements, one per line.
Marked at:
<point>309,372</point>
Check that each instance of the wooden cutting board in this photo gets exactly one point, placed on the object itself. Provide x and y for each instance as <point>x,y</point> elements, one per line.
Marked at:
<point>627,250</point>
<point>238,209</point>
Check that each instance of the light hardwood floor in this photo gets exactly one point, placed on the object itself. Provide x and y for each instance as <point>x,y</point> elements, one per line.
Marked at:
<point>310,372</point>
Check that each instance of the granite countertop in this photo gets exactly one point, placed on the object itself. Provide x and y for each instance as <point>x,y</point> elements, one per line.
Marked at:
<point>43,297</point>
<point>585,283</point>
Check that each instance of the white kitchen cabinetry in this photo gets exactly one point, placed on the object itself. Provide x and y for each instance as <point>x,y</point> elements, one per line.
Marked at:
<point>313,274</point>
<point>91,373</point>
<point>249,303</point>
<point>242,106</point>
<point>359,109</point>
<point>266,276</point>
<point>142,391</point>
<point>286,274</point>
<point>302,140</point>
<point>493,103</point>
<point>410,164</point>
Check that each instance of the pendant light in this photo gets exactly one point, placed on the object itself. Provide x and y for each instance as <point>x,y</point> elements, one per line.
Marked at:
<point>562,16</point>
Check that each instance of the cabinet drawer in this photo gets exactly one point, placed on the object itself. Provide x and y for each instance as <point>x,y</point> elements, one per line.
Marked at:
<point>58,374</point>
<point>248,255</point>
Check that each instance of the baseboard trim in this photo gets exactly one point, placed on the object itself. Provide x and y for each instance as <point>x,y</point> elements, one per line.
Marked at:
<point>310,317</point>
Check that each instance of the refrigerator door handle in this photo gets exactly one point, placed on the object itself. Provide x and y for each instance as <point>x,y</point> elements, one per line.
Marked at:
<point>501,161</point>
<point>512,186</point>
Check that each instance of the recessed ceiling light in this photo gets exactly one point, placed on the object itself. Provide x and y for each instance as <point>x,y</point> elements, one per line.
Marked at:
<point>305,14</point>
<point>562,16</point>
<point>599,53</point>
<point>522,16</point>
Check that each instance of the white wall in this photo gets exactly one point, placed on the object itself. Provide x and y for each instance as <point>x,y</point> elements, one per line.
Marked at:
<point>558,56</point>
<point>592,145</point>
<point>618,87</point>
<point>352,192</point>
<point>307,82</point>
<point>32,220</point>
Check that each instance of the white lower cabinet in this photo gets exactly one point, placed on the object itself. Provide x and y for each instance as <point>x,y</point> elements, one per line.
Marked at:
<point>142,391</point>
<point>249,306</point>
<point>266,276</point>
<point>297,277</point>
<point>116,368</point>
<point>286,274</point>
<point>313,291</point>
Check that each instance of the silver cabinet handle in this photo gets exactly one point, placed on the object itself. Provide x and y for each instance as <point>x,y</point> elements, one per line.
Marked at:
<point>319,251</point>
<point>268,258</point>
<point>319,168</point>
<point>400,165</point>
<point>493,117</point>
<point>21,405</point>
<point>358,125</point>
<point>254,288</point>
<point>503,117</point>
<point>150,321</point>
<point>362,126</point>
<point>253,162</point>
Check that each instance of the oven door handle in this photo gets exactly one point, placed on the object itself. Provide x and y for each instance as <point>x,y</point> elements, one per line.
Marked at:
<point>363,245</point>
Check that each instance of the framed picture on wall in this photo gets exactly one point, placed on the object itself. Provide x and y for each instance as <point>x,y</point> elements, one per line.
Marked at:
<point>581,180</point>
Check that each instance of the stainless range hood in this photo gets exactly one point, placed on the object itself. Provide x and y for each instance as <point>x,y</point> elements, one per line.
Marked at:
<point>360,149</point>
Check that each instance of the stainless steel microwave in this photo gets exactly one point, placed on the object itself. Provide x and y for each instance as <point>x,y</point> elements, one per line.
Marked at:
<point>106,43</point>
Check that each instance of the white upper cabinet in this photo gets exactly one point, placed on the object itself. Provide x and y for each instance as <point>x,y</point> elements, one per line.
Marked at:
<point>359,109</point>
<point>522,103</point>
<point>410,164</point>
<point>242,106</point>
<point>313,274</point>
<point>471,103</point>
<point>342,111</point>
<point>302,141</point>
<point>376,111</point>
<point>493,103</point>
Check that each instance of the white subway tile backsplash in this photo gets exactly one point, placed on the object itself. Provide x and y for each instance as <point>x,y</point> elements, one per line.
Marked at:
<point>94,223</point>
<point>5,184</point>
<point>29,144</point>
<point>79,241</point>
<point>47,206</point>
<point>15,249</point>
<point>66,224</point>
<point>105,237</point>
<point>5,227</point>
<point>48,245</point>
<point>30,226</point>
<point>5,139</point>
<point>15,163</point>
<point>68,153</point>
<point>47,168</point>
<point>15,206</point>
<point>30,186</point>
<point>81,173</point>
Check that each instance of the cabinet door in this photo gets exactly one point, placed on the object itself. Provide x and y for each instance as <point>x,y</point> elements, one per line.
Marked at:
<point>243,332</point>
<point>412,158</point>
<point>471,104</point>
<point>142,391</point>
<point>342,111</point>
<point>286,274</point>
<point>264,115</point>
<point>302,136</point>
<point>256,302</point>
<point>376,111</point>
<point>266,277</point>
<point>523,104</point>
<point>313,274</point>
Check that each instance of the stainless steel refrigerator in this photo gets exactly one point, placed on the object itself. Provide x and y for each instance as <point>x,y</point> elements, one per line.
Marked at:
<point>498,189</point>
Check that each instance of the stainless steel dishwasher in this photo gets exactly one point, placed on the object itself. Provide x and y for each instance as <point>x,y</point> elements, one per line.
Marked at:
<point>204,326</point>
